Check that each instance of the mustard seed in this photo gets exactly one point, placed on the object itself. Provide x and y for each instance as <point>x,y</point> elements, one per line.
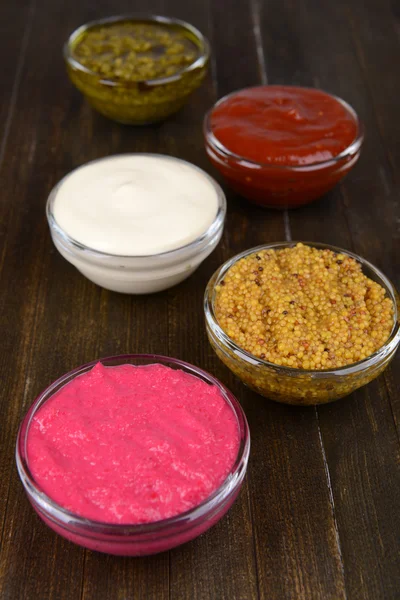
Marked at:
<point>330,300</point>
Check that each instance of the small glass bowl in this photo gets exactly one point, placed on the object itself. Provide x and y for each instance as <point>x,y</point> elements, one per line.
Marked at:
<point>148,538</point>
<point>280,186</point>
<point>138,274</point>
<point>138,102</point>
<point>298,386</point>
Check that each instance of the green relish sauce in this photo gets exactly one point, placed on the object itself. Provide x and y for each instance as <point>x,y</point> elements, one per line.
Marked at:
<point>134,51</point>
<point>137,70</point>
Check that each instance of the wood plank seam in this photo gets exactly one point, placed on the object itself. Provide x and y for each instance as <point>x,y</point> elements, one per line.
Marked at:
<point>26,383</point>
<point>17,79</point>
<point>331,500</point>
<point>363,68</point>
<point>83,574</point>
<point>362,63</point>
<point>262,70</point>
<point>256,566</point>
<point>255,14</point>
<point>13,101</point>
<point>213,58</point>
<point>288,236</point>
<point>387,388</point>
<point>288,231</point>
<point>345,203</point>
<point>346,212</point>
<point>227,241</point>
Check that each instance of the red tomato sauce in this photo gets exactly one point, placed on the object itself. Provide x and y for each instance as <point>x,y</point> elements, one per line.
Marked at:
<point>283,125</point>
<point>282,146</point>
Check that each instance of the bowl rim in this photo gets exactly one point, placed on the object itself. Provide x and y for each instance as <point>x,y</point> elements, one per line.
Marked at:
<point>217,146</point>
<point>55,512</point>
<point>212,323</point>
<point>194,246</point>
<point>200,62</point>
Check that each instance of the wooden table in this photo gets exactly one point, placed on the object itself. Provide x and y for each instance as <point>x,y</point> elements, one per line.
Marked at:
<point>319,514</point>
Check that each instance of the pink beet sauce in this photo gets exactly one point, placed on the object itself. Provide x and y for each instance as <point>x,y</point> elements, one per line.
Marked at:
<point>130,444</point>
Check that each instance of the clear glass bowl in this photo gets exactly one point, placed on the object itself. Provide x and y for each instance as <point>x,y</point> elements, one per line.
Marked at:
<point>138,102</point>
<point>280,186</point>
<point>298,386</point>
<point>144,539</point>
<point>138,274</point>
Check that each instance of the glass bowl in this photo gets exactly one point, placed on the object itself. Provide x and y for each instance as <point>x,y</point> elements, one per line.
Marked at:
<point>291,385</point>
<point>280,186</point>
<point>138,274</point>
<point>143,539</point>
<point>138,102</point>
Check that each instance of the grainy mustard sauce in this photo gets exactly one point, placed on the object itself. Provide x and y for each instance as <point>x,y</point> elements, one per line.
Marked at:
<point>303,307</point>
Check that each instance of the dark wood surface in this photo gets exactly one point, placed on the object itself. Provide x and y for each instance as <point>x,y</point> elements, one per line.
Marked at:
<point>319,514</point>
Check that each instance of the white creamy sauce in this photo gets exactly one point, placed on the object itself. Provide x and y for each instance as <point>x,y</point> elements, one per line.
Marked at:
<point>135,205</point>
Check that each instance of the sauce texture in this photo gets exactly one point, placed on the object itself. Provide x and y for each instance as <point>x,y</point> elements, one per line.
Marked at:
<point>136,204</point>
<point>132,444</point>
<point>135,51</point>
<point>283,125</point>
<point>304,308</point>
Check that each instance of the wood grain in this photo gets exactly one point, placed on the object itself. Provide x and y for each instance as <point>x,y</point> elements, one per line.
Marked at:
<point>318,514</point>
<point>348,220</point>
